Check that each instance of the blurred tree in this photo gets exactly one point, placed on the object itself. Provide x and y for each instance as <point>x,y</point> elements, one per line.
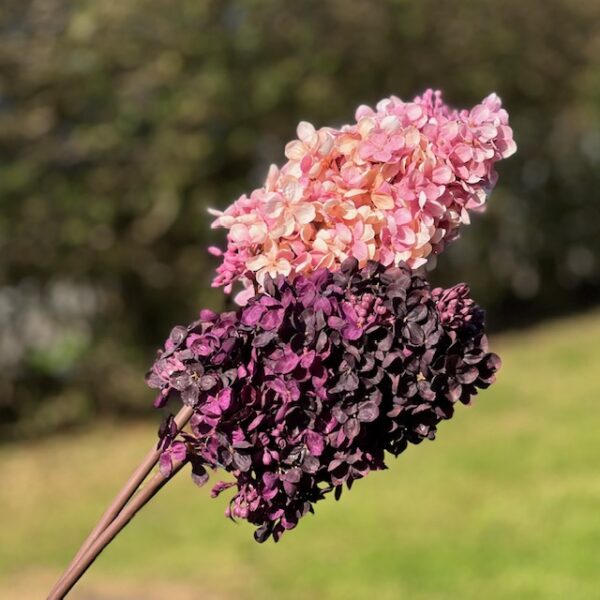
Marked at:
<point>121,122</point>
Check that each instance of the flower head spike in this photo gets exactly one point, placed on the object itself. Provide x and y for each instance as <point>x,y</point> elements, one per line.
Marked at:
<point>394,186</point>
<point>308,386</point>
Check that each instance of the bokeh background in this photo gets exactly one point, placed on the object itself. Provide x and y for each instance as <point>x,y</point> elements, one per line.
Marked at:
<point>122,121</point>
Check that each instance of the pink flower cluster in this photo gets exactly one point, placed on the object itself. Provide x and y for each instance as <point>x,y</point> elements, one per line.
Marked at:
<point>394,186</point>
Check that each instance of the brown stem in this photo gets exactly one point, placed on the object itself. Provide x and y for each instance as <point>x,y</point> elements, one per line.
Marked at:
<point>103,539</point>
<point>126,493</point>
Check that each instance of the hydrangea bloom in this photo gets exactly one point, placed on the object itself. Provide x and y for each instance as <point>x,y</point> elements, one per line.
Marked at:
<point>305,389</point>
<point>394,186</point>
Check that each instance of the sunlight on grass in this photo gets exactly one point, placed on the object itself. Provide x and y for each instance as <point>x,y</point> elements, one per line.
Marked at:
<point>503,505</point>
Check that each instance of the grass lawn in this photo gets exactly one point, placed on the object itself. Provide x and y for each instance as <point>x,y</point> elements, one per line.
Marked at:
<point>505,504</point>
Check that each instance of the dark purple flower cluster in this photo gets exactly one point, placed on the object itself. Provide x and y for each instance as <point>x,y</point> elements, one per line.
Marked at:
<point>306,388</point>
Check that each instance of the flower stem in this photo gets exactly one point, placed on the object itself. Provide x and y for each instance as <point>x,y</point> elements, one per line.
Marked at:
<point>110,532</point>
<point>125,495</point>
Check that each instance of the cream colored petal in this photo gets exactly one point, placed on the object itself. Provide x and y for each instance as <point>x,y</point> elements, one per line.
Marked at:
<point>305,131</point>
<point>295,150</point>
<point>257,262</point>
<point>304,213</point>
<point>382,201</point>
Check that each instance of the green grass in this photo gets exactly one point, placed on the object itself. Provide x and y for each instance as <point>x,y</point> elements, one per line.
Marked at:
<point>505,504</point>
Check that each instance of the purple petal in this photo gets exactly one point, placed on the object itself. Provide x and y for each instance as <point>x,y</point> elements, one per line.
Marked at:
<point>252,314</point>
<point>351,332</point>
<point>178,451</point>
<point>322,303</point>
<point>199,474</point>
<point>272,319</point>
<point>349,311</point>
<point>220,487</point>
<point>224,398</point>
<point>287,363</point>
<point>336,322</point>
<point>368,412</point>
<point>208,315</point>
<point>307,359</point>
<point>278,385</point>
<point>315,443</point>
<point>165,464</point>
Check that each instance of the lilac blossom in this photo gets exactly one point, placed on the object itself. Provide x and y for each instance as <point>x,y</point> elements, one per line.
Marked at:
<point>307,387</point>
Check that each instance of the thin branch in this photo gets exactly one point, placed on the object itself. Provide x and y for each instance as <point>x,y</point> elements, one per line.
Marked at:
<point>126,493</point>
<point>103,539</point>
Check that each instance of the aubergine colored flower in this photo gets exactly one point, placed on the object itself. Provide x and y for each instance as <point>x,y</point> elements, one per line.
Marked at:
<point>307,387</point>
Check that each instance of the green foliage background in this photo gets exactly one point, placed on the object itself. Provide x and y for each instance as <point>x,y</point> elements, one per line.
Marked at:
<point>122,121</point>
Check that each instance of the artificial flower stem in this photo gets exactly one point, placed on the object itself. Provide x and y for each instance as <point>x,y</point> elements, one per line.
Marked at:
<point>111,531</point>
<point>126,493</point>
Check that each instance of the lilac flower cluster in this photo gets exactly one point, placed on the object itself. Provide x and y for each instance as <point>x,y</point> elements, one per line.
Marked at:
<point>304,389</point>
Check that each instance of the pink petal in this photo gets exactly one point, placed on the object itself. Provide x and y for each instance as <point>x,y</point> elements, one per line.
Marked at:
<point>442,174</point>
